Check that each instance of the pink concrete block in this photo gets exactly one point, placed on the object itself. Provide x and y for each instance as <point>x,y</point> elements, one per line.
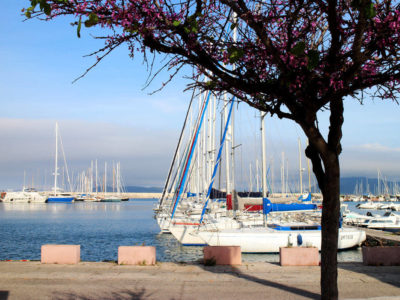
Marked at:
<point>299,256</point>
<point>60,254</point>
<point>381,256</point>
<point>223,255</point>
<point>136,255</point>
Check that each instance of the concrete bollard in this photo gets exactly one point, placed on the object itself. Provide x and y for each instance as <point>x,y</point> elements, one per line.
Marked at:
<point>136,255</point>
<point>299,256</point>
<point>222,255</point>
<point>60,254</point>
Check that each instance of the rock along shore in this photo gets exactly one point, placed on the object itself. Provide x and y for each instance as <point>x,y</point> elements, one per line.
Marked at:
<point>105,280</point>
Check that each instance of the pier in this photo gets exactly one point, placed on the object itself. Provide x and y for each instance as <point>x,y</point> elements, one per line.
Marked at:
<point>380,235</point>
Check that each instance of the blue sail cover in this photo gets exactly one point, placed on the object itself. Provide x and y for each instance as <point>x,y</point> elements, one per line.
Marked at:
<point>305,199</point>
<point>269,207</point>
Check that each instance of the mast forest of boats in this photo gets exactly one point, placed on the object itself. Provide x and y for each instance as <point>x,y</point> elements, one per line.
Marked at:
<point>88,186</point>
<point>200,204</point>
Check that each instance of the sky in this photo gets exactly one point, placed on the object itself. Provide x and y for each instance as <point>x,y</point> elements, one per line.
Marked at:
<point>111,116</point>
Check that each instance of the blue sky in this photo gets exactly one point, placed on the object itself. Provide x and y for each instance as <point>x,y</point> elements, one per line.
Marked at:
<point>108,116</point>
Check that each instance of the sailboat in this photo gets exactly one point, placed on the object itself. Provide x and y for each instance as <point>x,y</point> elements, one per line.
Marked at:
<point>58,196</point>
<point>108,198</point>
<point>270,237</point>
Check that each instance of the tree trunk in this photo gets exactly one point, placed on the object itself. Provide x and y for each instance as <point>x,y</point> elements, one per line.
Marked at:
<point>325,160</point>
<point>327,171</point>
<point>330,225</point>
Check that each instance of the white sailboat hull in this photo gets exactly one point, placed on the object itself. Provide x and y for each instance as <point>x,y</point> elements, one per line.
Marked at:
<point>265,240</point>
<point>187,235</point>
<point>186,232</point>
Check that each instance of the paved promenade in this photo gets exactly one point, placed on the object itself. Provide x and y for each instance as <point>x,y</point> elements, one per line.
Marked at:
<point>91,280</point>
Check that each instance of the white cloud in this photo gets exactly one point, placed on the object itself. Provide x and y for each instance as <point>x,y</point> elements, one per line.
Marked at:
<point>367,159</point>
<point>376,148</point>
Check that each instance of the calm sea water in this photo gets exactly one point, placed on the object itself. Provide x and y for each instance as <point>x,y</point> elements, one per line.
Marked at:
<point>99,228</point>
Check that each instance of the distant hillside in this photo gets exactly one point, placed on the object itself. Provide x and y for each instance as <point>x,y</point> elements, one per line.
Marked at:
<point>362,185</point>
<point>142,189</point>
<point>348,185</point>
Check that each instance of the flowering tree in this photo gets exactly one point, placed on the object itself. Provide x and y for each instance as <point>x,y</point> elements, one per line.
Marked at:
<point>292,58</point>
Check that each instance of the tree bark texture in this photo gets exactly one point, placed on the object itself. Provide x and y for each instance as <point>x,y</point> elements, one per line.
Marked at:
<point>330,226</point>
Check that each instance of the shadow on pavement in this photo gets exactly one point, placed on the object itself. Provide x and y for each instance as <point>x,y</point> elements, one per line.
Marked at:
<point>268,283</point>
<point>119,295</point>
<point>386,274</point>
<point>4,295</point>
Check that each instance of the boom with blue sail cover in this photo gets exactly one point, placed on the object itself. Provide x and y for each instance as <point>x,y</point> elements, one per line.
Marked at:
<point>271,207</point>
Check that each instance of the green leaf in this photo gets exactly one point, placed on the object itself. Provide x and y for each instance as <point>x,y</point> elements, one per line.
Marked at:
<point>78,30</point>
<point>211,84</point>
<point>194,25</point>
<point>176,23</point>
<point>370,11</point>
<point>235,54</point>
<point>28,12</point>
<point>47,9</point>
<point>313,59</point>
<point>368,6</point>
<point>298,49</point>
<point>93,20</point>
<point>34,3</point>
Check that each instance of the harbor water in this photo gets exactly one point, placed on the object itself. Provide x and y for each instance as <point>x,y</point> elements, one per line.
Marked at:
<point>100,228</point>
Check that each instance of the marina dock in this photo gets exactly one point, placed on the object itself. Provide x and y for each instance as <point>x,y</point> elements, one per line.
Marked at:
<point>380,235</point>
<point>101,280</point>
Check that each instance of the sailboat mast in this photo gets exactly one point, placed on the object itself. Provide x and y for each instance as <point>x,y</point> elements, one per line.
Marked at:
<point>232,127</point>
<point>300,170</point>
<point>309,174</point>
<point>257,176</point>
<point>96,178</point>
<point>105,178</point>
<point>56,163</point>
<point>264,160</point>
<point>282,175</point>
<point>227,162</point>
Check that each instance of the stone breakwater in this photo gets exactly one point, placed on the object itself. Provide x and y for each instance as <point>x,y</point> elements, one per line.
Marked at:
<point>125,195</point>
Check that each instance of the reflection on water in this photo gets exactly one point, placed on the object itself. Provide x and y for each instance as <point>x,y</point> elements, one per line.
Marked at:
<point>99,228</point>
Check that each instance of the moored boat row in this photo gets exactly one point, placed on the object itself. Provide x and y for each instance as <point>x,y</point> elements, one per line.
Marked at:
<point>33,196</point>
<point>261,226</point>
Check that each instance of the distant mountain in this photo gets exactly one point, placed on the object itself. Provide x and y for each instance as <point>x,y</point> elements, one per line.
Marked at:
<point>142,189</point>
